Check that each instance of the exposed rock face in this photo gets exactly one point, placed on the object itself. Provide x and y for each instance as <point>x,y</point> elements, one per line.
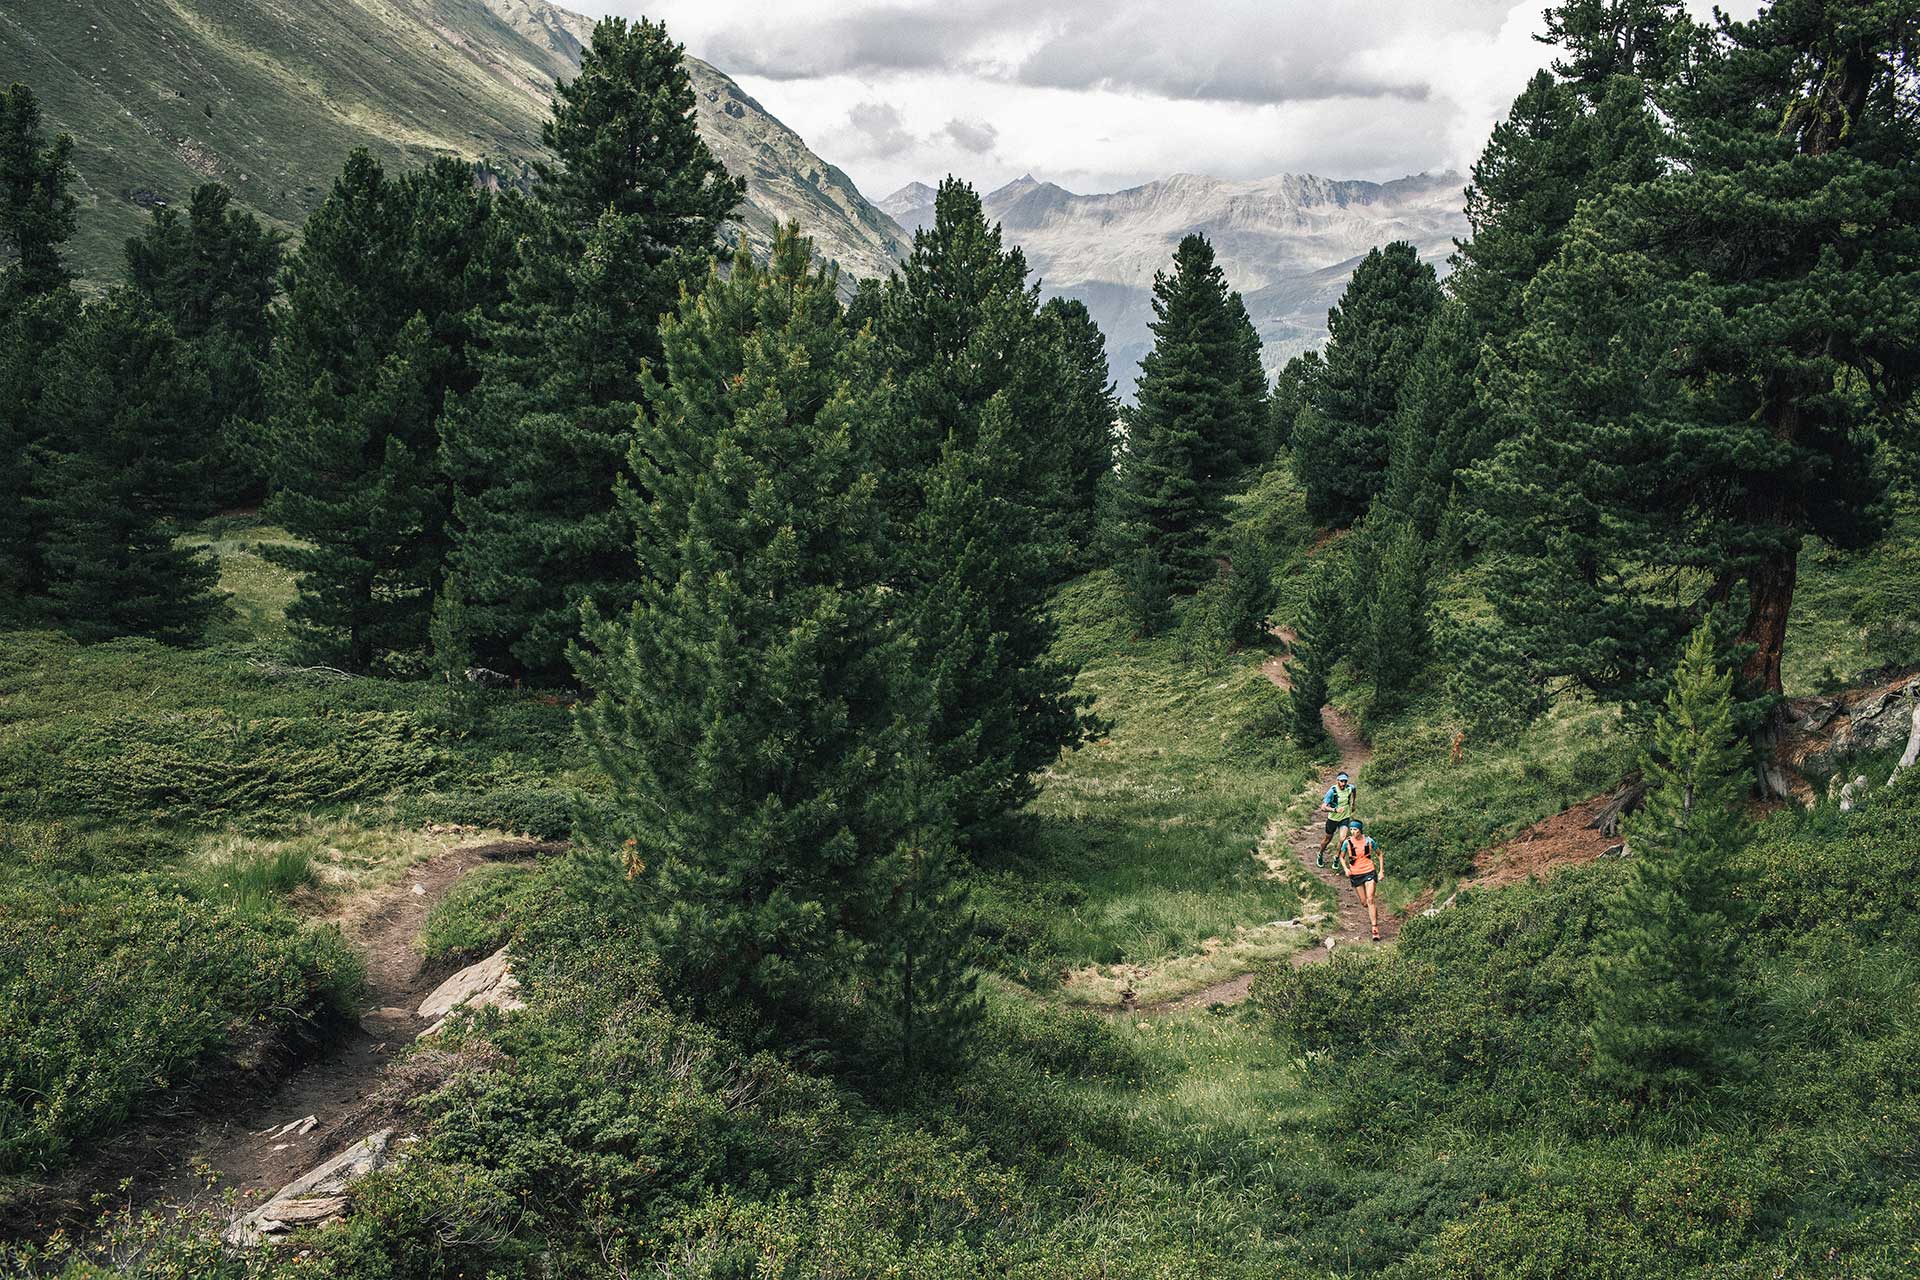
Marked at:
<point>1822,730</point>
<point>1287,243</point>
<point>316,1196</point>
<point>490,984</point>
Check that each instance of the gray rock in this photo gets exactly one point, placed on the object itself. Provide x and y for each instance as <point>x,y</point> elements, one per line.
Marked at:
<point>316,1196</point>
<point>490,984</point>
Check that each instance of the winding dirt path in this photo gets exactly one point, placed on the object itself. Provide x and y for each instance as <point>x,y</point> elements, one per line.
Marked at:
<point>1350,918</point>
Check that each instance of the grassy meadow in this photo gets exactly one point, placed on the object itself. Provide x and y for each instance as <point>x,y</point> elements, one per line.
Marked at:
<point>191,819</point>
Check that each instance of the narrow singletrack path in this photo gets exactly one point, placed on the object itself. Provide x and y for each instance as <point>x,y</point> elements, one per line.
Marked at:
<point>340,1087</point>
<point>1350,919</point>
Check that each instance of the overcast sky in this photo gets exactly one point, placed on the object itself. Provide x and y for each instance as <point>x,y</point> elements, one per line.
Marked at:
<point>1097,95</point>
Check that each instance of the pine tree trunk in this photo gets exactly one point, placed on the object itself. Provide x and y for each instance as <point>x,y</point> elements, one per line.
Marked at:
<point>1771,588</point>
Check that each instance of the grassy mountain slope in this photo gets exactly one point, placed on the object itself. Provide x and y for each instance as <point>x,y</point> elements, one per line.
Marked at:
<point>268,96</point>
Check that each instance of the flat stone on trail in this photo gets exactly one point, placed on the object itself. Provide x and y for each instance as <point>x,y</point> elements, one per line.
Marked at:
<point>294,1128</point>
<point>316,1196</point>
<point>490,984</point>
<point>386,1020</point>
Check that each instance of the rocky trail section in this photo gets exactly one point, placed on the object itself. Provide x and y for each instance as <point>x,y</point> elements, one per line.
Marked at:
<point>293,1152</point>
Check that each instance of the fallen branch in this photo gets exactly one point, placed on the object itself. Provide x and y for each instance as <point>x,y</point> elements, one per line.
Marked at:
<point>276,670</point>
<point>1624,801</point>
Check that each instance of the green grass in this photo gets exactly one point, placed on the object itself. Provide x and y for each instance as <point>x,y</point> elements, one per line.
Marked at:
<point>257,590</point>
<point>118,989</point>
<point>1144,841</point>
<point>1856,612</point>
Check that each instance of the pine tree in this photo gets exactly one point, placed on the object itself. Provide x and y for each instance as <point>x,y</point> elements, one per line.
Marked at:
<point>38,308</point>
<point>1316,647</point>
<point>1604,39</point>
<point>1673,432</point>
<point>1252,445</point>
<point>214,275</point>
<point>757,708</point>
<point>1248,587</point>
<point>960,327</point>
<point>1087,410</point>
<point>133,441</point>
<point>626,214</point>
<point>1292,391</point>
<point>1397,626</point>
<point>1146,591</point>
<point>383,300</point>
<point>974,482</point>
<point>1664,963</point>
<point>36,198</point>
<point>1439,423</point>
<point>1003,704</point>
<point>1340,450</point>
<point>1185,434</point>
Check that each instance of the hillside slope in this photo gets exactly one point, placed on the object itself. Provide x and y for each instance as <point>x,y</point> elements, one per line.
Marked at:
<point>1288,243</point>
<point>268,96</point>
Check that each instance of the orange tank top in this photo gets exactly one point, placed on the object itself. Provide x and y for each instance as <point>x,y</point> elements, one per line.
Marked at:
<point>1359,855</point>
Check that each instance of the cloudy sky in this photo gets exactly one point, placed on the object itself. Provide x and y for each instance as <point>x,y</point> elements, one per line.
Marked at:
<point>1102,94</point>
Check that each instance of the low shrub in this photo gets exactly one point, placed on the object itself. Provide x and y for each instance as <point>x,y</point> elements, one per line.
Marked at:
<point>115,989</point>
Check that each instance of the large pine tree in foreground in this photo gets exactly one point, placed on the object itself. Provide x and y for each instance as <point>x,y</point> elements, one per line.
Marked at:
<point>1664,961</point>
<point>625,214</point>
<point>1712,363</point>
<point>1340,449</point>
<point>758,708</point>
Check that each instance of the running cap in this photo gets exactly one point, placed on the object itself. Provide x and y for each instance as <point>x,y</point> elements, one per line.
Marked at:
<point>1356,824</point>
<point>1340,777</point>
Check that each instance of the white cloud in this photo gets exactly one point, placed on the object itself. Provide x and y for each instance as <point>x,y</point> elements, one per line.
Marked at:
<point>1099,94</point>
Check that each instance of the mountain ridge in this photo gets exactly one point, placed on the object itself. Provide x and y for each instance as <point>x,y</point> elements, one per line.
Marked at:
<point>269,96</point>
<point>1287,242</point>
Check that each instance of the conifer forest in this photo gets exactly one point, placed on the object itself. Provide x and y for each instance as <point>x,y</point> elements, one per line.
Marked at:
<point>556,722</point>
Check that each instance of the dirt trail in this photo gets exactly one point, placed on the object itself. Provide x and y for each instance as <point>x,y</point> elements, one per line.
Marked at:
<point>341,1088</point>
<point>1350,921</point>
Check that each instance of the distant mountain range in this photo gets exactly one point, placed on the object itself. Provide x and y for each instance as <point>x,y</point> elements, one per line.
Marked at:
<point>268,96</point>
<point>1287,243</point>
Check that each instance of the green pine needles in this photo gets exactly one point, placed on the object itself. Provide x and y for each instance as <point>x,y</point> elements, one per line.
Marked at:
<point>759,708</point>
<point>1663,972</point>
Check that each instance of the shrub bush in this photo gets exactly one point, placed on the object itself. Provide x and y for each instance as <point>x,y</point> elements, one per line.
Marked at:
<point>114,989</point>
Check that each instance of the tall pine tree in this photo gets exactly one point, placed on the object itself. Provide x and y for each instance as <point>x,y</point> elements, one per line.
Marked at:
<point>975,484</point>
<point>1186,435</point>
<point>37,309</point>
<point>116,480</point>
<point>214,274</point>
<point>1664,961</point>
<point>1340,449</point>
<point>625,214</point>
<point>1397,627</point>
<point>1086,413</point>
<point>384,298</point>
<point>1711,363</point>
<point>36,197</point>
<point>758,709</point>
